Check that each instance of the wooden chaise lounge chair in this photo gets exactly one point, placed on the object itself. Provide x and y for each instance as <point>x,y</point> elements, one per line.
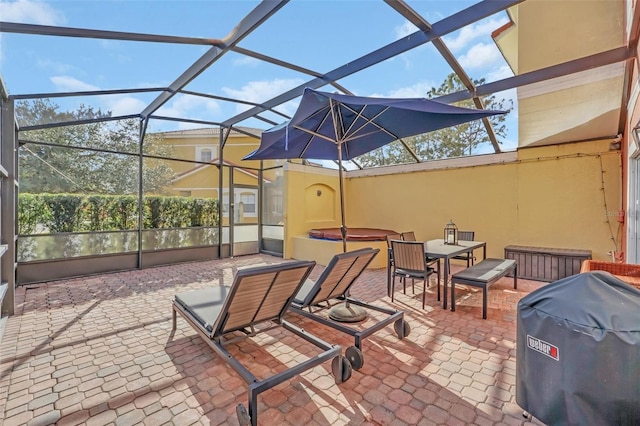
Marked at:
<point>221,315</point>
<point>334,284</point>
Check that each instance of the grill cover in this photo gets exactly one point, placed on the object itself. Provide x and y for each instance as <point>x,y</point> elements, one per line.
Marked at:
<point>578,351</point>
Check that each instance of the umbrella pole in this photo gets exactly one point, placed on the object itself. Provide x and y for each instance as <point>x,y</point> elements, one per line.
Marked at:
<point>343,228</point>
<point>345,312</point>
<point>339,134</point>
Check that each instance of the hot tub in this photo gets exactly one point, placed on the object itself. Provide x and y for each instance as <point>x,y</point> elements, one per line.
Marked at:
<point>320,245</point>
<point>353,234</point>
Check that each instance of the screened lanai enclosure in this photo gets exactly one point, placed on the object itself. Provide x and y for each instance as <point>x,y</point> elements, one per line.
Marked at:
<point>102,175</point>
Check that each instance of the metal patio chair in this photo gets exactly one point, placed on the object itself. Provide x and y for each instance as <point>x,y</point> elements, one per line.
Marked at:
<point>257,296</point>
<point>390,237</point>
<point>410,262</point>
<point>411,236</point>
<point>468,257</point>
<point>315,298</point>
<point>408,236</point>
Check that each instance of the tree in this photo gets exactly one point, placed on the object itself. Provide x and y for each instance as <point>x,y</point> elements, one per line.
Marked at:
<point>57,162</point>
<point>455,141</point>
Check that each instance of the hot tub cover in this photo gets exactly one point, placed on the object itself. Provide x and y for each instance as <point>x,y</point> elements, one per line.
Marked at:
<point>578,351</point>
<point>353,234</point>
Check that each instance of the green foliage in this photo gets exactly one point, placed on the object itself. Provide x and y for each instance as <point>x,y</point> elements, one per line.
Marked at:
<point>112,212</point>
<point>32,212</point>
<point>154,219</point>
<point>122,212</point>
<point>178,212</point>
<point>56,213</point>
<point>173,215</point>
<point>97,211</point>
<point>56,159</point>
<point>449,142</point>
<point>86,177</point>
<point>66,213</point>
<point>203,212</point>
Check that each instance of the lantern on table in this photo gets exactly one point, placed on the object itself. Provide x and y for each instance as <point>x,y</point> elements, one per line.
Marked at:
<point>451,233</point>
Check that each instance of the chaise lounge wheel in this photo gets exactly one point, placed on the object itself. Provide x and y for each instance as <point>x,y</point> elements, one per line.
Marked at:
<point>243,416</point>
<point>402,328</point>
<point>355,357</point>
<point>341,369</point>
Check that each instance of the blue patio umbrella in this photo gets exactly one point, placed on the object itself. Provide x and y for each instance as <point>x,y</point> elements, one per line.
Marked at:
<point>332,126</point>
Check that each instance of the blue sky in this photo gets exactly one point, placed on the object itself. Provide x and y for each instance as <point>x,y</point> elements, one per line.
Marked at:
<point>320,35</point>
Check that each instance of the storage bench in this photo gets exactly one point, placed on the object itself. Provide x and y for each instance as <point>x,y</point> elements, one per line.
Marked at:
<point>482,275</point>
<point>546,263</point>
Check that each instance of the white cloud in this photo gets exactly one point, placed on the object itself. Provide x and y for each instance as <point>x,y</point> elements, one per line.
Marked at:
<point>260,91</point>
<point>188,106</point>
<point>110,44</point>
<point>246,61</point>
<point>183,125</point>
<point>57,67</point>
<point>480,55</point>
<point>70,84</point>
<point>32,12</point>
<point>471,32</point>
<point>117,104</point>
<point>182,106</point>
<point>404,30</point>
<point>501,73</point>
<point>418,90</point>
<point>123,105</point>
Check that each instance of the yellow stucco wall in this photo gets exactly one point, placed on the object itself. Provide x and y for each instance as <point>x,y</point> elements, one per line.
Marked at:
<point>551,196</point>
<point>569,114</point>
<point>312,200</point>
<point>541,21</point>
<point>575,107</point>
<point>201,184</point>
<point>185,144</point>
<point>201,180</point>
<point>304,208</point>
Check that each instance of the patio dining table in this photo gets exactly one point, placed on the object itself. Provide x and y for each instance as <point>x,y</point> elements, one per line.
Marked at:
<point>438,249</point>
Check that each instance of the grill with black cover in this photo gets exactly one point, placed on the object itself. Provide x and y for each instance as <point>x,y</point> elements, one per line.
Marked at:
<point>578,351</point>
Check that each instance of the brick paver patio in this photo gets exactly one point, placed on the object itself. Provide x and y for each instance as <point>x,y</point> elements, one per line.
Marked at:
<point>99,351</point>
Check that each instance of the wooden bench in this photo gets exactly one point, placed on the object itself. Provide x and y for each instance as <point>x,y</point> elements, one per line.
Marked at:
<point>482,275</point>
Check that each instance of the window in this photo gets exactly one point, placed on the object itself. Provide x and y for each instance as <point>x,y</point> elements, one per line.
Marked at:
<point>249,202</point>
<point>246,198</point>
<point>206,155</point>
<point>225,204</point>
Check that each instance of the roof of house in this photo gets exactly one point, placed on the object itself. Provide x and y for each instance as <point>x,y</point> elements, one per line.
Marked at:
<point>214,162</point>
<point>238,131</point>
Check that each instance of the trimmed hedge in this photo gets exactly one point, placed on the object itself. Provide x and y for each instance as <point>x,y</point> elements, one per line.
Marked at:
<point>56,213</point>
